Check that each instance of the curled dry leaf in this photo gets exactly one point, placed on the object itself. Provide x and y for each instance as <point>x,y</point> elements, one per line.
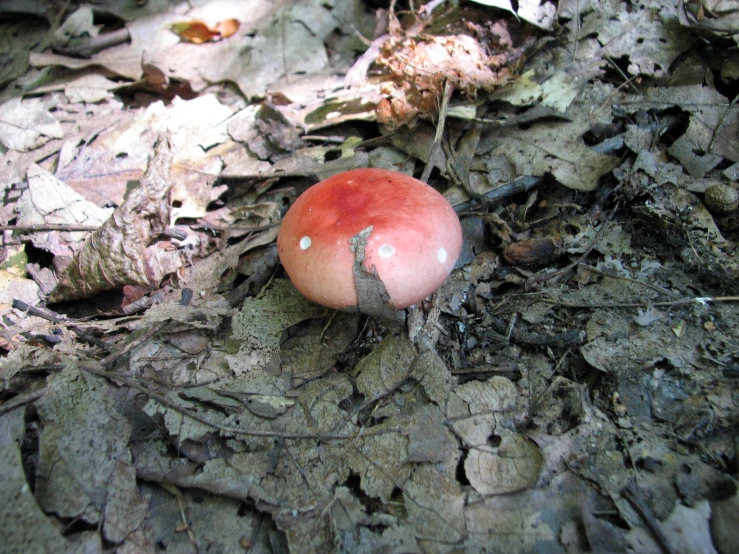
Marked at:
<point>116,254</point>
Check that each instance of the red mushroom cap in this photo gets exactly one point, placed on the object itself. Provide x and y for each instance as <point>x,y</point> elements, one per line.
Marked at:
<point>415,241</point>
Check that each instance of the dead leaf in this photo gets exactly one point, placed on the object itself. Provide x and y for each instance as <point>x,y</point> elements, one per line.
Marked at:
<point>195,31</point>
<point>686,527</point>
<point>312,352</point>
<point>24,522</point>
<point>429,440</point>
<point>198,31</point>
<point>49,201</point>
<point>100,170</point>
<point>505,463</point>
<point>650,45</point>
<point>535,12</point>
<point>261,321</point>
<point>88,87</point>
<point>385,368</point>
<point>434,502</point>
<point>227,27</point>
<point>116,254</point>
<point>557,149</point>
<point>15,287</point>
<point>27,124</point>
<point>723,523</point>
<point>125,508</point>
<point>709,136</point>
<point>76,460</point>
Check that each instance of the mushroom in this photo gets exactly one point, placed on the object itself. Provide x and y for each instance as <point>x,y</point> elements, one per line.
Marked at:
<point>414,237</point>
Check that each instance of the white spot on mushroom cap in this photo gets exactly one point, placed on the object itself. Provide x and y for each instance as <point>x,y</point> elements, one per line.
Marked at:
<point>305,242</point>
<point>441,255</point>
<point>386,250</point>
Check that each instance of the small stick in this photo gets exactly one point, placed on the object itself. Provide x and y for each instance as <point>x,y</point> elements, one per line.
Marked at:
<point>704,300</point>
<point>22,400</point>
<point>657,288</point>
<point>49,227</point>
<point>97,44</point>
<point>56,318</point>
<point>448,89</point>
<point>227,428</point>
<point>632,497</point>
<point>574,336</point>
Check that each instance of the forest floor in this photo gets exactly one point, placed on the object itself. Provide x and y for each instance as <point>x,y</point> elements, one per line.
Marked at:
<point>573,385</point>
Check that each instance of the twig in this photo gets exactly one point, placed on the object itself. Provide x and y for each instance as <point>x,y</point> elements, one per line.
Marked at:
<point>174,491</point>
<point>448,89</point>
<point>703,300</point>
<point>490,198</point>
<point>657,288</point>
<point>574,336</point>
<point>97,43</point>
<point>511,326</point>
<point>227,428</point>
<point>283,37</point>
<point>374,400</point>
<point>633,498</point>
<point>627,80</point>
<point>49,227</point>
<point>56,318</point>
<point>225,228</point>
<point>522,184</point>
<point>113,356</point>
<point>22,400</point>
<point>477,370</point>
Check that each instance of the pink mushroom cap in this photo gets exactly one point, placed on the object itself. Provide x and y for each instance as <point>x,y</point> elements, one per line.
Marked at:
<point>415,241</point>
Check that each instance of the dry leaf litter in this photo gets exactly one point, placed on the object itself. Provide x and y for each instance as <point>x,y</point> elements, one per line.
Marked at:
<point>571,388</point>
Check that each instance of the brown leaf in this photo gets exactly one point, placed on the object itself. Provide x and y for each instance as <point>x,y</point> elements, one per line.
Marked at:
<point>198,32</point>
<point>195,31</point>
